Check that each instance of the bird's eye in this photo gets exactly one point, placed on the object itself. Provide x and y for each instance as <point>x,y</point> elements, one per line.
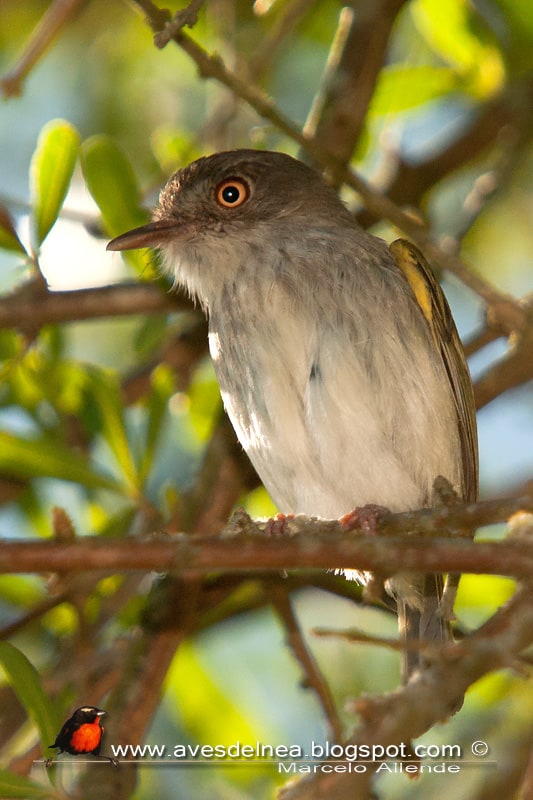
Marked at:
<point>232,193</point>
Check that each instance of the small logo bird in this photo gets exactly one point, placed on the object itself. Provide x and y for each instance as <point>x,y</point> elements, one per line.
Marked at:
<point>82,734</point>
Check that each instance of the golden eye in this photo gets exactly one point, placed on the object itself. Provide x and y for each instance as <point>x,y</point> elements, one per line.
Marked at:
<point>232,193</point>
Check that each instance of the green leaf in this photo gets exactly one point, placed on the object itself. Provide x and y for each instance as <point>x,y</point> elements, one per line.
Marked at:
<point>51,171</point>
<point>401,88</point>
<point>23,591</point>
<point>111,181</point>
<point>12,785</point>
<point>44,457</point>
<point>9,239</point>
<point>162,387</point>
<point>149,335</point>
<point>105,392</point>
<point>27,685</point>
<point>204,394</point>
<point>448,29</point>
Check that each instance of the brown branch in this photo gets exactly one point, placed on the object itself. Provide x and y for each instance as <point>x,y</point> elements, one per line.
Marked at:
<point>483,337</point>
<point>55,18</point>
<point>184,17</point>
<point>313,677</point>
<point>430,697</point>
<point>412,181</point>
<point>360,637</point>
<point>356,57</point>
<point>318,544</point>
<point>327,549</point>
<point>505,310</point>
<point>514,369</point>
<point>31,309</point>
<point>171,617</point>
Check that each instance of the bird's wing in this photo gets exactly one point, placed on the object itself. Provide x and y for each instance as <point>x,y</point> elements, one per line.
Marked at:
<point>435,309</point>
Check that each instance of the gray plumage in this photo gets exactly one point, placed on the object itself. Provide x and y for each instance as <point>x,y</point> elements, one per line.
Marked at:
<point>338,361</point>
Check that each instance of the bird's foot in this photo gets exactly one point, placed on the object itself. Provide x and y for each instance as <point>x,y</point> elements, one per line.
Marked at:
<point>277,526</point>
<point>365,518</point>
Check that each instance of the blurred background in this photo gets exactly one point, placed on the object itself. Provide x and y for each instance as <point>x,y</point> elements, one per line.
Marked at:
<point>445,128</point>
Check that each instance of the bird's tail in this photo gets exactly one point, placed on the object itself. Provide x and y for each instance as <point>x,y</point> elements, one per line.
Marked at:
<point>423,622</point>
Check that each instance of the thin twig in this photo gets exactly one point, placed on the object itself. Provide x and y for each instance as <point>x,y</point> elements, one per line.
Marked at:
<point>429,698</point>
<point>187,16</point>
<point>313,676</point>
<point>360,637</point>
<point>356,57</point>
<point>54,18</point>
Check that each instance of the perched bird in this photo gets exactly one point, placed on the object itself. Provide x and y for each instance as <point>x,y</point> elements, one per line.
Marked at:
<point>82,734</point>
<point>338,360</point>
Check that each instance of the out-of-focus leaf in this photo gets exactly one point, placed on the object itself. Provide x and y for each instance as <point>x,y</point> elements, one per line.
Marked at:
<point>447,27</point>
<point>44,457</point>
<point>204,395</point>
<point>112,182</point>
<point>173,148</point>
<point>26,683</point>
<point>9,239</point>
<point>225,727</point>
<point>401,88</point>
<point>162,386</point>
<point>149,335</point>
<point>34,378</point>
<point>10,344</point>
<point>104,389</point>
<point>51,171</point>
<point>12,785</point>
<point>21,590</point>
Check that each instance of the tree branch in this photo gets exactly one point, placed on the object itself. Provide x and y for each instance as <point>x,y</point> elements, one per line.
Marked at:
<point>28,309</point>
<point>55,18</point>
<point>505,310</point>
<point>313,677</point>
<point>356,57</point>
<point>309,543</point>
<point>430,697</point>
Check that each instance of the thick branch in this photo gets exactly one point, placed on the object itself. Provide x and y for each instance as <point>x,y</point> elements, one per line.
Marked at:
<point>314,544</point>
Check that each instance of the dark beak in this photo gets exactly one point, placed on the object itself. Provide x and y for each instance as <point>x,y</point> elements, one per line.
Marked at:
<point>152,235</point>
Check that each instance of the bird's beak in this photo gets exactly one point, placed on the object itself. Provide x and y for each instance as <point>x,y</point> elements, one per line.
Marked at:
<point>153,234</point>
<point>101,713</point>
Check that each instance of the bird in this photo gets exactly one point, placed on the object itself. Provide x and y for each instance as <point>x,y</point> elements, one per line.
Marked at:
<point>337,357</point>
<point>82,734</point>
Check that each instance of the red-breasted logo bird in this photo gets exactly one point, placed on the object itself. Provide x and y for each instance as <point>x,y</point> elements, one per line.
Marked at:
<point>82,734</point>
